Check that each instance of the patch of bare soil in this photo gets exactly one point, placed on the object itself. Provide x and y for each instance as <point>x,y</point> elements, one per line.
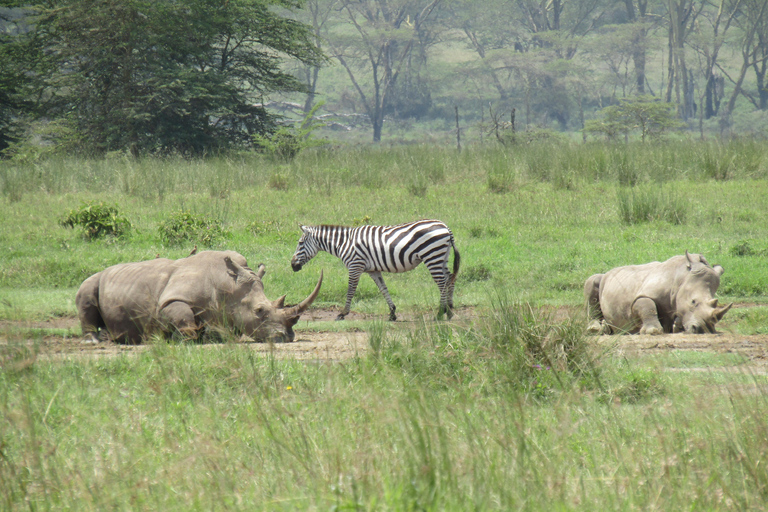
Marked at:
<point>754,347</point>
<point>334,346</point>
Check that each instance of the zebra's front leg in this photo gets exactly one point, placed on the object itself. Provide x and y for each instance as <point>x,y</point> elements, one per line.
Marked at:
<point>354,278</point>
<point>379,280</point>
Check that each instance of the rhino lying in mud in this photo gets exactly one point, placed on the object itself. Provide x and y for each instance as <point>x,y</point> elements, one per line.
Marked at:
<point>660,297</point>
<point>134,300</point>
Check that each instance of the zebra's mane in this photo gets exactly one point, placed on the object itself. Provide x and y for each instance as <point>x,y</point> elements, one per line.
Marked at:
<point>334,226</point>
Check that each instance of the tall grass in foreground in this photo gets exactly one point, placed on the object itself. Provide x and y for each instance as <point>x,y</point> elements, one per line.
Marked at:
<point>441,418</point>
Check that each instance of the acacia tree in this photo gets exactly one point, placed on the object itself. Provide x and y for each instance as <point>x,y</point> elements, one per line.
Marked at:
<point>754,54</point>
<point>643,113</point>
<point>317,15</point>
<point>386,35</point>
<point>183,76</point>
<point>708,44</point>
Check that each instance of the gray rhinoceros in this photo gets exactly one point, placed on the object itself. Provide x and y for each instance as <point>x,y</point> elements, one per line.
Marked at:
<point>660,297</point>
<point>134,300</point>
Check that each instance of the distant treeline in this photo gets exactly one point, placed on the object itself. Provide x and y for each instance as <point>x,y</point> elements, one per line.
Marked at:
<point>197,76</point>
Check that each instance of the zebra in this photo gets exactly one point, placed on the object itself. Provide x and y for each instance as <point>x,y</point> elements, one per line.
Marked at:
<point>377,249</point>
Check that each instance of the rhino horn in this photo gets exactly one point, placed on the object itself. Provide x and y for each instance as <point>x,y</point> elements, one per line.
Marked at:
<point>298,309</point>
<point>280,303</point>
<point>719,314</point>
<point>712,303</point>
<point>688,257</point>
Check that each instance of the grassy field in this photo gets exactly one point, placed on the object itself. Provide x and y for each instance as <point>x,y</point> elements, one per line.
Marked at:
<point>513,410</point>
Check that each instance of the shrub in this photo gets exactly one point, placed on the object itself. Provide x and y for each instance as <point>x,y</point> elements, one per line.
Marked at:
<point>475,273</point>
<point>184,226</point>
<point>97,220</point>
<point>285,143</point>
<point>279,181</point>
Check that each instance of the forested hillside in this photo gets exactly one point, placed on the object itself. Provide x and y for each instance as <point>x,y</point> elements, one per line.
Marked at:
<point>404,70</point>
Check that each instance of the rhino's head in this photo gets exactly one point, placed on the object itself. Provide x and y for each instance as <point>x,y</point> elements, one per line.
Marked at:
<point>256,316</point>
<point>697,310</point>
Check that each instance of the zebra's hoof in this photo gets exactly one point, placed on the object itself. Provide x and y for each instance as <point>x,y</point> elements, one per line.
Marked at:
<point>340,317</point>
<point>392,318</point>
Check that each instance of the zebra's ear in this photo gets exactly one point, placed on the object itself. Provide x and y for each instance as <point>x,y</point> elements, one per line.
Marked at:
<point>303,228</point>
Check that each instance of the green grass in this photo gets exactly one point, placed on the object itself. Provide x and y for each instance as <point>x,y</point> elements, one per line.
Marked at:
<point>434,419</point>
<point>516,226</point>
<point>508,409</point>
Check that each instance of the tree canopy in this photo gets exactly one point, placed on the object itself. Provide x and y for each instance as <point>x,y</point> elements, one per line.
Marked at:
<point>187,76</point>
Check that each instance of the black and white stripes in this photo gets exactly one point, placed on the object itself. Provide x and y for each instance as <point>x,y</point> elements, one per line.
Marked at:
<point>377,249</point>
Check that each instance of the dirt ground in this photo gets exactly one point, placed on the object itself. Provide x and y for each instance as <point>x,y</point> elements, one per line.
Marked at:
<point>313,344</point>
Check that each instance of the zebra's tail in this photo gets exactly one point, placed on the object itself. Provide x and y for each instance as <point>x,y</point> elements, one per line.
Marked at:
<point>456,261</point>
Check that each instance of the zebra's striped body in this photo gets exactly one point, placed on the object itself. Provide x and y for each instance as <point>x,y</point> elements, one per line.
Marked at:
<point>377,249</point>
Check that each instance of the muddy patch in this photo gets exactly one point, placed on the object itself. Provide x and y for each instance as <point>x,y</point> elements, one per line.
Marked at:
<point>312,343</point>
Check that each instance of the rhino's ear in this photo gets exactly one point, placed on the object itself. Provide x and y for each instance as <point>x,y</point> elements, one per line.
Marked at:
<point>237,272</point>
<point>688,257</point>
<point>261,270</point>
<point>719,270</point>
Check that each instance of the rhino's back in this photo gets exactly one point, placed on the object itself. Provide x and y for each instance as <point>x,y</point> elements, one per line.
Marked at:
<point>129,294</point>
<point>202,281</point>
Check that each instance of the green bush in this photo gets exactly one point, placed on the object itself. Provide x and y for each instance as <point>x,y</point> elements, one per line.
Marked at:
<point>97,220</point>
<point>184,226</point>
<point>288,141</point>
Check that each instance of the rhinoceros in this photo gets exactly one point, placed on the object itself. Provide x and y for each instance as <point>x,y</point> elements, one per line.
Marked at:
<point>660,297</point>
<point>134,300</point>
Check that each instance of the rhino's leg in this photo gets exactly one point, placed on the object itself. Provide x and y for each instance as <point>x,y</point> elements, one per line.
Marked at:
<point>180,315</point>
<point>645,310</point>
<point>87,302</point>
<point>592,299</point>
<point>379,280</point>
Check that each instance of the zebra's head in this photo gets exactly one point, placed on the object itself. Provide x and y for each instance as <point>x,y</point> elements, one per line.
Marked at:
<point>306,249</point>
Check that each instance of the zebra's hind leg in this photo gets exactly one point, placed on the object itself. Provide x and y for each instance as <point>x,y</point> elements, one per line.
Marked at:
<point>379,280</point>
<point>444,281</point>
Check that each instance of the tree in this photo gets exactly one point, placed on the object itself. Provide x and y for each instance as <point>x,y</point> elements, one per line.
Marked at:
<point>13,79</point>
<point>386,34</point>
<point>185,76</point>
<point>709,45</point>
<point>638,16</point>
<point>682,16</point>
<point>647,114</point>
<point>753,51</point>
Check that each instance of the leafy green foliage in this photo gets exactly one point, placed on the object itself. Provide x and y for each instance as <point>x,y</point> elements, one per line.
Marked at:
<point>646,114</point>
<point>288,141</point>
<point>164,77</point>
<point>97,220</point>
<point>184,226</point>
